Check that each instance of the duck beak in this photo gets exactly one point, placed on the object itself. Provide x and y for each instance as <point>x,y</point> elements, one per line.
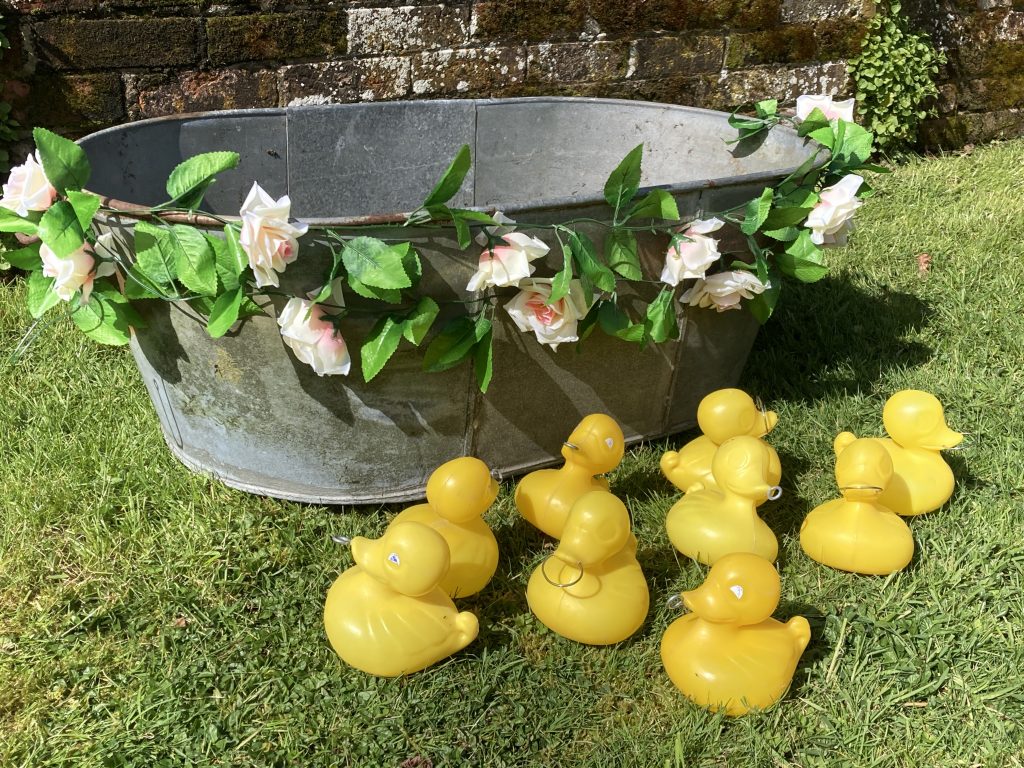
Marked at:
<point>942,439</point>
<point>689,599</point>
<point>362,553</point>
<point>669,460</point>
<point>767,423</point>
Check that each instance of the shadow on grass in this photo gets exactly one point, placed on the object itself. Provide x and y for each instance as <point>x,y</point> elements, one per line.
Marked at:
<point>835,338</point>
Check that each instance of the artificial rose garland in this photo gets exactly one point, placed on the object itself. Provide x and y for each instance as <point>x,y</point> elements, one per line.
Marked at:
<point>691,258</point>
<point>833,110</point>
<point>270,242</point>
<point>552,322</point>
<point>506,265</point>
<point>831,220</point>
<point>308,331</point>
<point>724,290</point>
<point>28,189</point>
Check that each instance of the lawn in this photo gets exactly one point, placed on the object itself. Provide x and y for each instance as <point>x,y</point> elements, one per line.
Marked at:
<point>154,617</point>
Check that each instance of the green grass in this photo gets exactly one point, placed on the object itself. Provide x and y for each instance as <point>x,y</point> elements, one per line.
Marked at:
<point>154,617</point>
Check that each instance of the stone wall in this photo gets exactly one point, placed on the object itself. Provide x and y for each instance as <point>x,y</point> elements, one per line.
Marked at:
<point>76,66</point>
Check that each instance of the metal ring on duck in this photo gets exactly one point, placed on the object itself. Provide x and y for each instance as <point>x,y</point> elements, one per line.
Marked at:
<point>549,580</point>
<point>861,488</point>
<point>567,444</point>
<point>343,540</point>
<point>775,493</point>
<point>675,603</point>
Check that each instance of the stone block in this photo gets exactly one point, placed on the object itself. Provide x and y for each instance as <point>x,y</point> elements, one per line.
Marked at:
<point>803,11</point>
<point>678,56</point>
<point>783,45</point>
<point>476,71</point>
<point>330,82</point>
<point>577,62</point>
<point>76,103</point>
<point>992,93</point>
<point>199,91</point>
<point>782,83</point>
<point>529,20</point>
<point>384,78</point>
<point>277,36</point>
<point>839,38</point>
<point>396,30</point>
<point>107,43</point>
<point>971,128</point>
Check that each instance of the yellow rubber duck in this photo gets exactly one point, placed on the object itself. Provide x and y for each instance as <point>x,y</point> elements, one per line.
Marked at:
<point>592,589</point>
<point>458,493</point>
<point>545,497</point>
<point>721,415</point>
<point>922,480</point>
<point>711,523</point>
<point>386,615</point>
<point>857,533</point>
<point>729,653</point>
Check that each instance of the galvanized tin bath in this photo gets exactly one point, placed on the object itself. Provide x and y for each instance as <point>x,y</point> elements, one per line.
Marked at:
<point>242,408</point>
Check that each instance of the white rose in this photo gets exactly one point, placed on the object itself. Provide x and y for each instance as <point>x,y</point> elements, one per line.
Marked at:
<point>504,226</point>
<point>267,238</point>
<point>833,110</point>
<point>312,337</point>
<point>691,258</point>
<point>505,265</point>
<point>553,323</point>
<point>75,271</point>
<point>831,219</point>
<point>723,290</point>
<point>28,189</point>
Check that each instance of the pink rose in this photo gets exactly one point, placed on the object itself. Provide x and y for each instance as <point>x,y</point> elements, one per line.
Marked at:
<point>552,323</point>
<point>833,110</point>
<point>28,189</point>
<point>831,220</point>
<point>691,258</point>
<point>313,338</point>
<point>267,238</point>
<point>75,271</point>
<point>505,265</point>
<point>723,290</point>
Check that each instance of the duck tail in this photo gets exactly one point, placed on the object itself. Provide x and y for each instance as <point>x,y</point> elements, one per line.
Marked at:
<point>842,440</point>
<point>800,630</point>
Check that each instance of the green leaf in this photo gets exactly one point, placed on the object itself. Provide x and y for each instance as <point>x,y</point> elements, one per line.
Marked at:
<point>387,295</point>
<point>417,323</point>
<point>249,308</point>
<point>624,181</point>
<point>763,304</point>
<point>855,150</point>
<point>452,345</point>
<point>41,295</point>
<point>592,272</point>
<point>138,285</point>
<point>757,211</point>
<point>189,181</point>
<point>64,162</point>
<point>154,255</point>
<point>780,218</point>
<point>824,136</point>
<point>813,122</point>
<point>802,260</point>
<point>563,280</point>
<point>621,247</point>
<point>380,345</point>
<point>656,204</point>
<point>462,233</point>
<point>26,258</point>
<point>60,230</point>
<point>375,263</point>
<point>86,205</point>
<point>105,319</point>
<point>483,359</point>
<point>451,180</point>
<point>660,323</point>
<point>12,222</point>
<point>230,258</point>
<point>615,322</point>
<point>194,259</point>
<point>767,108</point>
<point>225,312</point>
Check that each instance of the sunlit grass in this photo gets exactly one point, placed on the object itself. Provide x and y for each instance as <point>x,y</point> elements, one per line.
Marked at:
<point>154,617</point>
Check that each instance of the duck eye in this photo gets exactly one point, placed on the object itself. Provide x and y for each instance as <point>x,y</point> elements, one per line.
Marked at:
<point>737,590</point>
<point>393,558</point>
<point>610,442</point>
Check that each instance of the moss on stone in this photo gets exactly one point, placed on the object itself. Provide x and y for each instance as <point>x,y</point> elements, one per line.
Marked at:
<point>258,37</point>
<point>839,38</point>
<point>783,45</point>
<point>531,20</point>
